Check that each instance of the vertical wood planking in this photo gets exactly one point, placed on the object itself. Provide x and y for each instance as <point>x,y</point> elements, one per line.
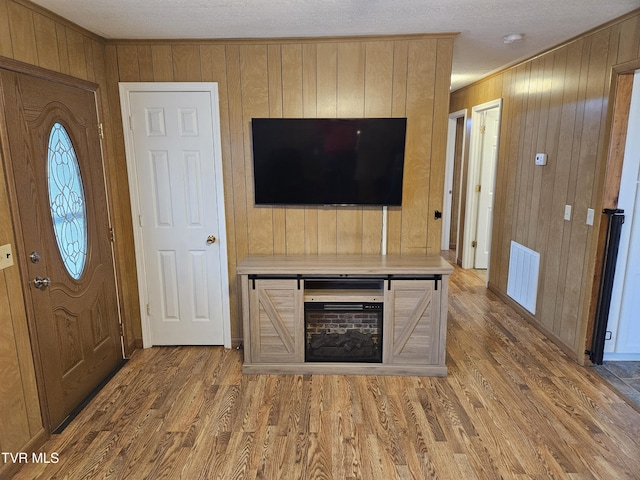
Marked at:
<point>310,110</point>
<point>292,107</point>
<point>378,101</point>
<point>327,94</point>
<point>420,104</point>
<point>350,103</point>
<point>45,31</point>
<point>398,109</point>
<point>255,103</point>
<point>22,33</point>
<point>6,43</point>
<point>274,53</point>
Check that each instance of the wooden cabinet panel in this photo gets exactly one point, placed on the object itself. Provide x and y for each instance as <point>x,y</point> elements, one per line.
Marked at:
<point>412,322</point>
<point>276,313</point>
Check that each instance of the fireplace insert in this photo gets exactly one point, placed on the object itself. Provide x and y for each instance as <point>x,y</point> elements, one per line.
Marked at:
<point>343,332</point>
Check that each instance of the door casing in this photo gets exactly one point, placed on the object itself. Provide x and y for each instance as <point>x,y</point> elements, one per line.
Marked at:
<point>471,215</point>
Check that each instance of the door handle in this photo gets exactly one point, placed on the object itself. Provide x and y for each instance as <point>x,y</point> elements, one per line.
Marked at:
<point>211,239</point>
<point>41,282</point>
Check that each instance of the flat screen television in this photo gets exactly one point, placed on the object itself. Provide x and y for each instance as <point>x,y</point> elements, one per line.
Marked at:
<point>345,161</point>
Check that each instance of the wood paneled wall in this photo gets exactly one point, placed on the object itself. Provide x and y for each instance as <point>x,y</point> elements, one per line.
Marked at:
<point>556,103</point>
<point>339,77</point>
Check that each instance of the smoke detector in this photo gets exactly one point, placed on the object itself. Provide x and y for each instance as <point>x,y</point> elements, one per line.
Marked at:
<point>513,37</point>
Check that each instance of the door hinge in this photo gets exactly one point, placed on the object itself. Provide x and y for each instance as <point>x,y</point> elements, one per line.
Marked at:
<point>478,188</point>
<point>148,309</point>
<point>483,129</point>
<point>111,235</point>
<point>130,122</point>
<point>474,244</point>
<point>101,131</point>
<point>121,329</point>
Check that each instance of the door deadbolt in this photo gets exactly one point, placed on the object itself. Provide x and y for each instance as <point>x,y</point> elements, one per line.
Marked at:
<point>211,239</point>
<point>41,282</point>
<point>35,257</point>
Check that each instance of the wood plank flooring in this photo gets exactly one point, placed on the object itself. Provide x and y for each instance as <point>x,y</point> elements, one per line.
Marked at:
<point>513,407</point>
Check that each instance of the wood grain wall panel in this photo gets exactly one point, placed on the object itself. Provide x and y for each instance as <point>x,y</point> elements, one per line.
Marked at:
<point>127,62</point>
<point>629,47</point>
<point>45,31</point>
<point>6,44</point>
<point>292,107</point>
<point>77,56</point>
<point>505,196</point>
<point>162,58</point>
<point>275,73</point>
<point>145,63</point>
<point>398,109</point>
<point>556,103</point>
<point>22,31</point>
<point>186,63</point>
<point>327,94</point>
<point>255,103</point>
<point>14,432</point>
<point>420,103</point>
<point>310,110</point>
<point>350,104</point>
<point>63,50</point>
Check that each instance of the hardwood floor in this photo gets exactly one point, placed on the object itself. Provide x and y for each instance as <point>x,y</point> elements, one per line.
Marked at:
<point>513,407</point>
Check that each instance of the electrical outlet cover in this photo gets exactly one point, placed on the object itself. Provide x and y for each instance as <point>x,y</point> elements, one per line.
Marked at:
<point>541,158</point>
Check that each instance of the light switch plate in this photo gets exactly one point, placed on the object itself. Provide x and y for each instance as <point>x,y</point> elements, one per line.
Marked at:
<point>6,256</point>
<point>590,216</point>
<point>567,212</point>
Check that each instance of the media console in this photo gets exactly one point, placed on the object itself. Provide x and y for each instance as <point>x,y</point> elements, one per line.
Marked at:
<point>345,314</point>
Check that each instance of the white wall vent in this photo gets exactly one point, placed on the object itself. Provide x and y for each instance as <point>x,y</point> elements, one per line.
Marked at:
<point>522,283</point>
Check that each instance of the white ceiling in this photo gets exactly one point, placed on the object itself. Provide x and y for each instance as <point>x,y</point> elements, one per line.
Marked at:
<point>479,49</point>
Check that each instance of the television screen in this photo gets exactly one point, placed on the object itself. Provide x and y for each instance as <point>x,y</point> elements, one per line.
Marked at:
<point>328,161</point>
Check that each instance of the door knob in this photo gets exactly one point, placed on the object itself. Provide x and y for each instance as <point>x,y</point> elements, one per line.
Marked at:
<point>211,239</point>
<point>41,282</point>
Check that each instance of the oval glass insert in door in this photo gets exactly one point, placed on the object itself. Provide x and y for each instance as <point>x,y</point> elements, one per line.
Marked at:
<point>67,201</point>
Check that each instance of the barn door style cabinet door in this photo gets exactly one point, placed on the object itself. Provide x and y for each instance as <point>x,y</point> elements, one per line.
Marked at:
<point>276,310</point>
<point>412,322</point>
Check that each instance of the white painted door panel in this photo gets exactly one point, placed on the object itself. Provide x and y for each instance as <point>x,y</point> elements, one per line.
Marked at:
<point>488,161</point>
<point>174,157</point>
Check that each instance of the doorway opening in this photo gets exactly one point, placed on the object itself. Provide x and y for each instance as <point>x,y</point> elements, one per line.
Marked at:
<point>452,200</point>
<point>480,185</point>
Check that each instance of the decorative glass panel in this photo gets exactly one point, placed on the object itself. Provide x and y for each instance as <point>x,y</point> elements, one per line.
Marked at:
<point>66,199</point>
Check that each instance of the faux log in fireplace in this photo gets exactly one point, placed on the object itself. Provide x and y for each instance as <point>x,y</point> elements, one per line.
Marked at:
<point>343,332</point>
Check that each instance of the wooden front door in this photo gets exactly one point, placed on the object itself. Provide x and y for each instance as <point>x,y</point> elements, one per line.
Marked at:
<point>63,237</point>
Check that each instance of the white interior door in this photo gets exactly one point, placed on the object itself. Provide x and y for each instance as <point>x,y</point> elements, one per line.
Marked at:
<point>174,149</point>
<point>624,321</point>
<point>488,160</point>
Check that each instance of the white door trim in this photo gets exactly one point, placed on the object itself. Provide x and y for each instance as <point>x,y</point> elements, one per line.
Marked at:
<point>448,177</point>
<point>471,212</point>
<point>212,88</point>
